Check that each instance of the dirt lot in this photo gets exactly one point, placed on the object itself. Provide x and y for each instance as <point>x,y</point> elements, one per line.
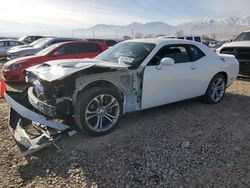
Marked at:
<point>189,144</point>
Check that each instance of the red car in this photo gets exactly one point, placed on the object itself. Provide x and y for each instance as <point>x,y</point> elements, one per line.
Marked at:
<point>13,70</point>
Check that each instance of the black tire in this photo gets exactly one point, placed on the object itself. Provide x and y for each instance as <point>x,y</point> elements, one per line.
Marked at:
<point>209,93</point>
<point>84,100</point>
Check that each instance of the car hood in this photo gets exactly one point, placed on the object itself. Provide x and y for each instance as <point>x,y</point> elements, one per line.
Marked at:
<point>237,44</point>
<point>19,47</point>
<point>25,49</point>
<point>59,69</point>
<point>21,60</point>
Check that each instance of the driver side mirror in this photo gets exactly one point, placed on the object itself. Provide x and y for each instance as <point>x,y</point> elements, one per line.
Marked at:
<point>165,62</point>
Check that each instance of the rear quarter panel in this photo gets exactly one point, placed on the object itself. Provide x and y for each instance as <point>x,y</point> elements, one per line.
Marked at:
<point>231,67</point>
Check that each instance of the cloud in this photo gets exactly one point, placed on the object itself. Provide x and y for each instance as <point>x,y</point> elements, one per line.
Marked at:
<point>64,14</point>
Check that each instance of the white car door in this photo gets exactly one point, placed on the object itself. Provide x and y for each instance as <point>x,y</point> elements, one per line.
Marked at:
<point>171,83</point>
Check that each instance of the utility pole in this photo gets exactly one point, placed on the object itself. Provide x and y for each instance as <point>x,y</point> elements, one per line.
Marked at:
<point>116,35</point>
<point>93,34</point>
<point>72,33</point>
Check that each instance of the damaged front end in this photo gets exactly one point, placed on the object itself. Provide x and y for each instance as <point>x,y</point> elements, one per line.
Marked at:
<point>30,129</point>
<point>49,101</point>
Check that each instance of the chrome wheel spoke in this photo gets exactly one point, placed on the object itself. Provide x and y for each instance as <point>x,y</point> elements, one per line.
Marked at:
<point>92,116</point>
<point>97,101</point>
<point>109,119</point>
<point>220,88</point>
<point>100,99</point>
<point>97,122</point>
<point>111,116</point>
<point>100,123</point>
<point>216,95</point>
<point>112,104</point>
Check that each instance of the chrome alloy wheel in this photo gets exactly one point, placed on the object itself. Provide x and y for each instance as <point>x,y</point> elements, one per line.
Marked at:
<point>102,113</point>
<point>217,89</point>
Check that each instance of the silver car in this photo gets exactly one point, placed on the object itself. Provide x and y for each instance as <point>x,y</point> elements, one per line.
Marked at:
<point>6,44</point>
<point>31,50</point>
<point>27,45</point>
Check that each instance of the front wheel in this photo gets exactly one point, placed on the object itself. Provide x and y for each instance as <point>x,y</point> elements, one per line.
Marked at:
<point>216,89</point>
<point>98,111</point>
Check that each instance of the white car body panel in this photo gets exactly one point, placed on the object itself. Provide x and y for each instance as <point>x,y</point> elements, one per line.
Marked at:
<point>171,83</point>
<point>185,80</point>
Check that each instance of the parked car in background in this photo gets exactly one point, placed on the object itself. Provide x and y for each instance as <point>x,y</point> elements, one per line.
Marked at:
<point>131,76</point>
<point>13,70</point>
<point>214,47</point>
<point>29,39</point>
<point>12,54</point>
<point>6,44</point>
<point>240,48</point>
<point>27,45</point>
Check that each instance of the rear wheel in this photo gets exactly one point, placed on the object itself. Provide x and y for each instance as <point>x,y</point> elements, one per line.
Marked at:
<point>216,89</point>
<point>98,111</point>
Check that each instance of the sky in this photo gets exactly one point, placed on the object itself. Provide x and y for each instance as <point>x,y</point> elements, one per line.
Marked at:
<point>37,15</point>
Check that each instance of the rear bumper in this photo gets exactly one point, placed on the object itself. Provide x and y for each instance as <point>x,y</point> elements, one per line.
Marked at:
<point>23,117</point>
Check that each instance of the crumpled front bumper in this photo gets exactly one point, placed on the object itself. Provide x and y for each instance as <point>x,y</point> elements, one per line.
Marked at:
<point>23,116</point>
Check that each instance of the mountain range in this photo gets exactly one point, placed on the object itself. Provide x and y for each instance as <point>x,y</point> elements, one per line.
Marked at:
<point>219,29</point>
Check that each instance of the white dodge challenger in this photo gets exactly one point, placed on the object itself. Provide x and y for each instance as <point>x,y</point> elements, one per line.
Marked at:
<point>131,76</point>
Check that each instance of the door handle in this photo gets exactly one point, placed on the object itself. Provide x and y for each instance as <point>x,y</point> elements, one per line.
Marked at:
<point>192,68</point>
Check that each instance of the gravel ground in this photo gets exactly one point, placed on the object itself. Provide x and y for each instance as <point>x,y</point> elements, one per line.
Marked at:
<point>189,144</point>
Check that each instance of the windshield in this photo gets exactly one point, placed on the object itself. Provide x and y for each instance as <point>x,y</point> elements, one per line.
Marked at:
<point>243,37</point>
<point>22,38</point>
<point>130,53</point>
<point>42,43</point>
<point>48,49</point>
<point>36,42</point>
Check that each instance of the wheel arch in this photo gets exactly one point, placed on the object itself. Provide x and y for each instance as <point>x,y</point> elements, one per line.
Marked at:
<point>101,84</point>
<point>224,74</point>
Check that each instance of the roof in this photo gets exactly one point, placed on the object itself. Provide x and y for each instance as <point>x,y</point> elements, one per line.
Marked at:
<point>160,40</point>
<point>9,40</point>
<point>79,41</point>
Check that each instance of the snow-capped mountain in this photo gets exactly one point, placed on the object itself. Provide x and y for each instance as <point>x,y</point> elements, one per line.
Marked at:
<point>223,29</point>
<point>226,28</point>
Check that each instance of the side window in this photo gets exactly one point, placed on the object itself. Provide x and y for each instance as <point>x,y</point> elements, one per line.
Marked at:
<point>178,53</point>
<point>2,44</point>
<point>195,53</point>
<point>68,49</point>
<point>57,41</point>
<point>36,38</point>
<point>197,39</point>
<point>89,48</point>
<point>28,40</point>
<point>13,43</point>
<point>189,38</point>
